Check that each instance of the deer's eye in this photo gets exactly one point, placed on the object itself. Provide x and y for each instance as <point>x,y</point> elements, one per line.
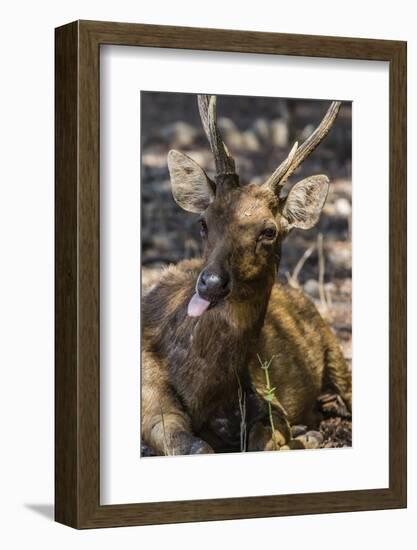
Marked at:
<point>203,228</point>
<point>268,234</point>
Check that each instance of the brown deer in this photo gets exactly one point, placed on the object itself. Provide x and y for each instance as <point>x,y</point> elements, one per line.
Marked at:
<point>207,320</point>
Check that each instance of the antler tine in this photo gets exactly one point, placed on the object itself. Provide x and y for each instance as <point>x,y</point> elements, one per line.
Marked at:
<point>274,180</point>
<point>299,154</point>
<point>223,159</point>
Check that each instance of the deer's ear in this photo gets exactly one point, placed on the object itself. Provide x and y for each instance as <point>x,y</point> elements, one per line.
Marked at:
<point>191,187</point>
<point>304,203</point>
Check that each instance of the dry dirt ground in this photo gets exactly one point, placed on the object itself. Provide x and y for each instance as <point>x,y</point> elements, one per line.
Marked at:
<point>259,132</point>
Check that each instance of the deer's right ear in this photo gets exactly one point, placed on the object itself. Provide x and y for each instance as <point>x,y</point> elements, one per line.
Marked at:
<point>191,187</point>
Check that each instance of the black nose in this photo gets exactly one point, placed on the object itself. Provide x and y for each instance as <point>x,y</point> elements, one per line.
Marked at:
<point>213,286</point>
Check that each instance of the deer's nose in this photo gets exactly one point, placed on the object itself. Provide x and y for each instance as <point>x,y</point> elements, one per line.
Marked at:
<point>213,286</point>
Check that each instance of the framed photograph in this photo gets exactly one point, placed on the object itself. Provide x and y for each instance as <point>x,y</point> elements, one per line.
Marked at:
<point>230,274</point>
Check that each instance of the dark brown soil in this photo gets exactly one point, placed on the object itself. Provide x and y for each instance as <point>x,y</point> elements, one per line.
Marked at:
<point>337,432</point>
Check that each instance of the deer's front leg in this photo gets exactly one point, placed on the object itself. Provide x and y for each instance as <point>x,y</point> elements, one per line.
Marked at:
<point>166,427</point>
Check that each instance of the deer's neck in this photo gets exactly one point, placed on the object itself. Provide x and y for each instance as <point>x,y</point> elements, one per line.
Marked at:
<point>220,346</point>
<point>232,324</point>
<point>206,356</point>
<point>230,330</point>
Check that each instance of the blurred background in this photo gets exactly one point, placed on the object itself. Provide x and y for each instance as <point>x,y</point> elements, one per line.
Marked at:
<point>259,132</point>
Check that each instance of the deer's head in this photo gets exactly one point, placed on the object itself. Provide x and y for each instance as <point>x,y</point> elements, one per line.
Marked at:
<point>242,226</point>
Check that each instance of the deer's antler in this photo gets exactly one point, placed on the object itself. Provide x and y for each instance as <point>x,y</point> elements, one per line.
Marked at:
<point>298,154</point>
<point>225,165</point>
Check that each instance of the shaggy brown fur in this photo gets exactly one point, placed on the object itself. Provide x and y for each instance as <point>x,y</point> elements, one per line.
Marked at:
<point>192,367</point>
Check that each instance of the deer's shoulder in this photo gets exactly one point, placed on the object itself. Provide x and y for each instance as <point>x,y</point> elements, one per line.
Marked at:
<point>174,275</point>
<point>171,292</point>
<point>291,303</point>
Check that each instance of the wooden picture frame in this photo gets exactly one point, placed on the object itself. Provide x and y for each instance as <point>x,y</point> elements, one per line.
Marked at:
<point>77,374</point>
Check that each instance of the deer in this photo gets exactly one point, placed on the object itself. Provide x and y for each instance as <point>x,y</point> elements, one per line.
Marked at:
<point>209,320</point>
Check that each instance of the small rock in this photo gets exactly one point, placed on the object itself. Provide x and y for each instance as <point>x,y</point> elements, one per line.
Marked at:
<point>179,134</point>
<point>234,141</point>
<point>330,287</point>
<point>279,133</point>
<point>340,257</point>
<point>311,440</point>
<point>298,430</point>
<point>311,287</point>
<point>262,129</point>
<point>152,160</point>
<point>250,141</point>
<point>316,434</point>
<point>226,125</point>
<point>342,207</point>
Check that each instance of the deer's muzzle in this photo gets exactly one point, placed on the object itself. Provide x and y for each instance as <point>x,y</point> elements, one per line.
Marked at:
<point>211,287</point>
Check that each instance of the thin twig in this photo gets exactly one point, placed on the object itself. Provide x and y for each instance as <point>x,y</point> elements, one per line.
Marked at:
<point>269,396</point>
<point>321,271</point>
<point>242,409</point>
<point>328,297</point>
<point>293,279</point>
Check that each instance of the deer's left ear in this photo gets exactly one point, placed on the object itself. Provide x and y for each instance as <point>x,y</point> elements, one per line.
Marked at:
<point>191,187</point>
<point>304,203</point>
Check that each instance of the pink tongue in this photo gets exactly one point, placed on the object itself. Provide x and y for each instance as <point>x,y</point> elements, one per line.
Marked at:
<point>197,306</point>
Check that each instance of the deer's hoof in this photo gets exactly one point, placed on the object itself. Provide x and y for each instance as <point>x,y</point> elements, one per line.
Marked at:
<point>188,444</point>
<point>200,447</point>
